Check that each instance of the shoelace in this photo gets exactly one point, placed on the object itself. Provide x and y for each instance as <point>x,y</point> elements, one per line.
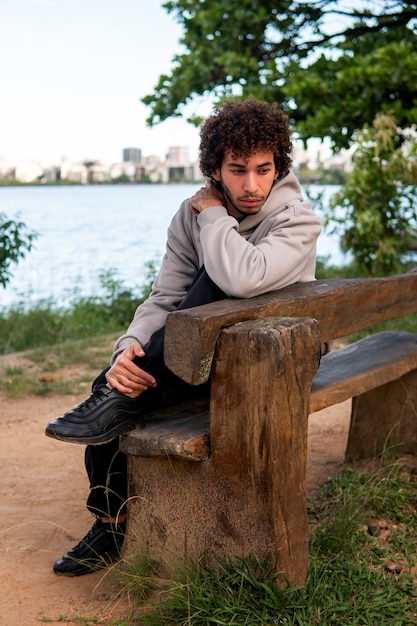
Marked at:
<point>97,394</point>
<point>89,535</point>
<point>85,541</point>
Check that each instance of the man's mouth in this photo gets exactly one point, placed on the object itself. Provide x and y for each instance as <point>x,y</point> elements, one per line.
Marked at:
<point>250,200</point>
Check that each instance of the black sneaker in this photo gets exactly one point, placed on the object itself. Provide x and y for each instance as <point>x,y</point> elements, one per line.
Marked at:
<point>104,415</point>
<point>98,548</point>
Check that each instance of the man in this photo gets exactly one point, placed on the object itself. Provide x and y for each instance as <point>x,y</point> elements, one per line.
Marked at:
<point>247,232</point>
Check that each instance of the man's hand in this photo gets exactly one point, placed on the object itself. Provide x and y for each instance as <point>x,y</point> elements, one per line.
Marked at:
<point>205,198</point>
<point>126,376</point>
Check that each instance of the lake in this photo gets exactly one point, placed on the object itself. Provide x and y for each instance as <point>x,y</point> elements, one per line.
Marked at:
<point>86,230</point>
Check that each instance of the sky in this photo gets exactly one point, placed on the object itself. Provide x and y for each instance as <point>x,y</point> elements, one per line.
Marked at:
<point>72,76</point>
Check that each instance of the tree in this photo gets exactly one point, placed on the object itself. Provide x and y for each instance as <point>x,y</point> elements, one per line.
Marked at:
<point>335,67</point>
<point>15,241</point>
<point>332,65</point>
<point>379,199</point>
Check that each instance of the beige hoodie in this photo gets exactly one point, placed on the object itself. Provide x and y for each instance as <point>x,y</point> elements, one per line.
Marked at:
<point>265,252</point>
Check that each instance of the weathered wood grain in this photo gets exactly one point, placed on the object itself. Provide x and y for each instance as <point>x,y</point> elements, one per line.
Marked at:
<point>384,420</point>
<point>361,366</point>
<point>341,306</point>
<point>181,432</point>
<point>258,416</point>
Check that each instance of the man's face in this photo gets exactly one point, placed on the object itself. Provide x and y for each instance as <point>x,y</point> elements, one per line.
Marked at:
<point>246,182</point>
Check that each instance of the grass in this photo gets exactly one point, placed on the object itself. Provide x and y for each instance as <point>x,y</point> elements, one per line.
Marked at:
<point>362,570</point>
<point>66,368</point>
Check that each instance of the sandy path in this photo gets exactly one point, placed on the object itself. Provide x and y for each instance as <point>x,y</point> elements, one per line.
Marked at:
<point>42,511</point>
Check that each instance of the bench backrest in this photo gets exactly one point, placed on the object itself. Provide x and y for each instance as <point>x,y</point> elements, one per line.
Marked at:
<point>341,307</point>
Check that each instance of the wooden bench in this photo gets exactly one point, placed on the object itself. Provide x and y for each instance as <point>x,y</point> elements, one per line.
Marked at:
<point>226,476</point>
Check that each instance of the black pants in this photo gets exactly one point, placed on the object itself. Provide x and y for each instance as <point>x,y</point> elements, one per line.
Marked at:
<point>106,466</point>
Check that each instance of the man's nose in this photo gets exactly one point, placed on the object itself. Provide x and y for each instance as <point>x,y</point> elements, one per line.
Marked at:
<point>250,184</point>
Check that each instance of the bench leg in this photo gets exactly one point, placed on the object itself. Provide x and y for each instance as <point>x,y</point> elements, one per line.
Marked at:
<point>384,419</point>
<point>259,417</point>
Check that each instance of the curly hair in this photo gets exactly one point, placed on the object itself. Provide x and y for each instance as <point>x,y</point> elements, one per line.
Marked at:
<point>244,128</point>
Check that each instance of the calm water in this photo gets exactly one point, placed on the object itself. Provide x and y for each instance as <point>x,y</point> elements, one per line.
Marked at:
<point>83,231</point>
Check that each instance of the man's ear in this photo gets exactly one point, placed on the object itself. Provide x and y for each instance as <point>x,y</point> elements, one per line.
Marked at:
<point>215,180</point>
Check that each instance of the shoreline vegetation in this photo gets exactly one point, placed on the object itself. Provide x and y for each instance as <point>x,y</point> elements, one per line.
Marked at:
<point>363,526</point>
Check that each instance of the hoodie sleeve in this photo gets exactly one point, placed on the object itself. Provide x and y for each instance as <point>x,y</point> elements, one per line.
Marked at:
<point>280,251</point>
<point>179,267</point>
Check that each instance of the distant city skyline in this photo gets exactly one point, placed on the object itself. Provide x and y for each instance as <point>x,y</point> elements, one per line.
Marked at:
<point>132,166</point>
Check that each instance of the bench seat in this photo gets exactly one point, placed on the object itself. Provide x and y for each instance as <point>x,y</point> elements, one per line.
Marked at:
<point>361,366</point>
<point>182,432</point>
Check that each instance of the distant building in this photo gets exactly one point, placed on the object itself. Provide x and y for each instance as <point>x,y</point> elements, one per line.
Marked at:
<point>125,170</point>
<point>178,155</point>
<point>51,174</point>
<point>76,173</point>
<point>179,167</point>
<point>28,171</point>
<point>97,173</point>
<point>7,170</point>
<point>132,155</point>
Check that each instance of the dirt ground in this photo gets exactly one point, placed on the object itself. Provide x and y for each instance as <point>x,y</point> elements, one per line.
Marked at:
<point>43,489</point>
